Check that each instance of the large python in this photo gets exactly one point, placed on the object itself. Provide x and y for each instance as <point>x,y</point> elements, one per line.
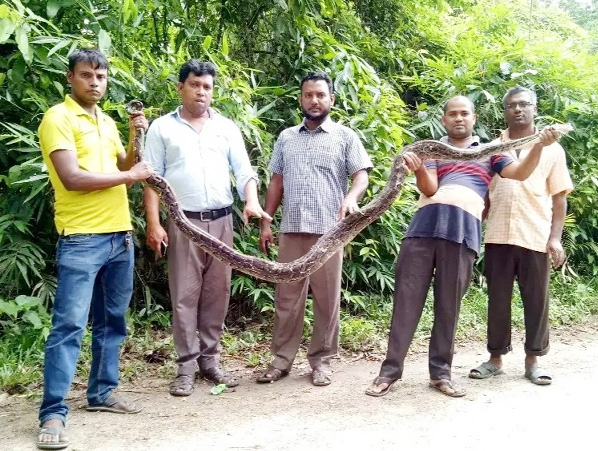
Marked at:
<point>343,232</point>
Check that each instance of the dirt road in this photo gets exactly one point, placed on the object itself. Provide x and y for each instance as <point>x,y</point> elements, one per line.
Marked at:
<point>504,413</point>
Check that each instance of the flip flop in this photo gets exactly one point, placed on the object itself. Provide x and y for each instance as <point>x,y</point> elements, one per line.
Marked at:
<point>445,386</point>
<point>58,432</point>
<point>111,404</point>
<point>538,375</point>
<point>272,374</point>
<point>380,380</point>
<point>485,370</point>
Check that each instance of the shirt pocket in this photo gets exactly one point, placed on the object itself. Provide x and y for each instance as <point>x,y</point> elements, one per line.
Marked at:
<point>216,144</point>
<point>327,158</point>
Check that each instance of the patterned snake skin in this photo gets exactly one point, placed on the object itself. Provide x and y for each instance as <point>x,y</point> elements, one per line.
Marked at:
<point>343,232</point>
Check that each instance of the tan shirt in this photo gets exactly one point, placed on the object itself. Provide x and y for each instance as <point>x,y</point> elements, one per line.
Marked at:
<point>521,212</point>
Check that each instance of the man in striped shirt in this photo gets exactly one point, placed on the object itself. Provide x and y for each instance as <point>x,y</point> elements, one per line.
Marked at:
<point>442,243</point>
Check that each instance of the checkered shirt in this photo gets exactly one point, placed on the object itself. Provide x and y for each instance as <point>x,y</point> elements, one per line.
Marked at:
<point>315,166</point>
<point>521,212</point>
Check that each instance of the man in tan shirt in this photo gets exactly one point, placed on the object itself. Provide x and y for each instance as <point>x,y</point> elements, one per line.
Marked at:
<point>523,234</point>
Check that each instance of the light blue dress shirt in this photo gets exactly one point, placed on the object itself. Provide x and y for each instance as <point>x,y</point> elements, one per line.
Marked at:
<point>197,164</point>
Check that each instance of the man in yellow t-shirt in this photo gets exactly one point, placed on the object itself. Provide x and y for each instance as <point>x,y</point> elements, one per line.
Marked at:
<point>89,170</point>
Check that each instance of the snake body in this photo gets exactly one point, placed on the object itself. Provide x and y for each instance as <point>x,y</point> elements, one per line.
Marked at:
<point>339,235</point>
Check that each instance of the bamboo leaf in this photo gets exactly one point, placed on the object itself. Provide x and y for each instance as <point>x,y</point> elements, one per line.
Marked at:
<point>61,44</point>
<point>23,43</point>
<point>104,41</point>
<point>7,28</point>
<point>52,8</point>
<point>207,42</point>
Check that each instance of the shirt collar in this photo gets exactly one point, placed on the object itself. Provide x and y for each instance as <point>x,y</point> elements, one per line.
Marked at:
<point>177,113</point>
<point>73,107</point>
<point>475,141</point>
<point>326,126</point>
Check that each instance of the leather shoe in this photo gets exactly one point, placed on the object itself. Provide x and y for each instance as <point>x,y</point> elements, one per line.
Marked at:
<point>218,376</point>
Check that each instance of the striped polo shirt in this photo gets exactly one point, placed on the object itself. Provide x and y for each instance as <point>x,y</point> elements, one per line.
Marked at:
<point>454,212</point>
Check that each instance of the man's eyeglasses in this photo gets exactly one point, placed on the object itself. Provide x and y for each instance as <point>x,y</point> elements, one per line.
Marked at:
<point>512,106</point>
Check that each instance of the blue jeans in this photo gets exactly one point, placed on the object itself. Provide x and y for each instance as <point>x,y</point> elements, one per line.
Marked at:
<point>95,271</point>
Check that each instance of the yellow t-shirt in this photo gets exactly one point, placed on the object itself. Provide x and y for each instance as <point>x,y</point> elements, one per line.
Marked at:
<point>67,126</point>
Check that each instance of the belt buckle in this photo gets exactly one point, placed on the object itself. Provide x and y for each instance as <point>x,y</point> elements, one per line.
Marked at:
<point>205,216</point>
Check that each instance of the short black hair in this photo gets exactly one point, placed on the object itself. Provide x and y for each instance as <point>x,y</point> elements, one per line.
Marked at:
<point>91,56</point>
<point>518,90</point>
<point>315,76</point>
<point>198,68</point>
<point>457,96</point>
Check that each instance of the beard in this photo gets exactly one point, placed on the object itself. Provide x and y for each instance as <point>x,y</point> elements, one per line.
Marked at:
<point>314,117</point>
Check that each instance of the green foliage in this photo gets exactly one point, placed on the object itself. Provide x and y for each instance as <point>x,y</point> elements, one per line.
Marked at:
<point>358,334</point>
<point>24,327</point>
<point>394,64</point>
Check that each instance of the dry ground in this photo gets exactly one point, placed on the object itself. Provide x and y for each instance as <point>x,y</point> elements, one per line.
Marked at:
<point>505,412</point>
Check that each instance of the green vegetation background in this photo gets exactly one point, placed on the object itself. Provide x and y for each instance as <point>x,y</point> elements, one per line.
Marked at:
<point>394,63</point>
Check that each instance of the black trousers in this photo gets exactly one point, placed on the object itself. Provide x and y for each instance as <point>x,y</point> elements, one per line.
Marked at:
<point>504,264</point>
<point>420,260</point>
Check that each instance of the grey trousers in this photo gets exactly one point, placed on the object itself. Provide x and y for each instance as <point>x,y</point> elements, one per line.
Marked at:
<point>504,263</point>
<point>421,260</point>
<point>325,285</point>
<point>200,291</point>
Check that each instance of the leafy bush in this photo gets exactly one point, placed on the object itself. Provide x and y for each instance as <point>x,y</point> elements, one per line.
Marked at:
<point>394,64</point>
<point>24,327</point>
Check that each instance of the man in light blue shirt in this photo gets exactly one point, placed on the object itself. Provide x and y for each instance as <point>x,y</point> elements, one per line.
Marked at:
<point>194,148</point>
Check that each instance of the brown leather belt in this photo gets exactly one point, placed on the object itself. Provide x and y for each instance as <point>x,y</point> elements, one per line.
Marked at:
<point>210,215</point>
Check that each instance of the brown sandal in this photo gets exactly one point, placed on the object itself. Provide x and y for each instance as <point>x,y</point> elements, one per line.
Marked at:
<point>182,385</point>
<point>447,388</point>
<point>272,374</point>
<point>379,381</point>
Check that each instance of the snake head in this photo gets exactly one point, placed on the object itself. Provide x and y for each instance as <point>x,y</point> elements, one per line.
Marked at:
<point>134,106</point>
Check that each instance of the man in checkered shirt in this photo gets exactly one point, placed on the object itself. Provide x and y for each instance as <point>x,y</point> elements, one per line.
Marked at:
<point>311,165</point>
<point>523,233</point>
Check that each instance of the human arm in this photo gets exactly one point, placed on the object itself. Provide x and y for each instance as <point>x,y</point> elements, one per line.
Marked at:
<point>252,204</point>
<point>137,121</point>
<point>521,170</point>
<point>486,206</point>
<point>426,179</point>
<point>155,233</point>
<point>359,184</point>
<point>273,200</point>
<point>554,246</point>
<point>76,179</point>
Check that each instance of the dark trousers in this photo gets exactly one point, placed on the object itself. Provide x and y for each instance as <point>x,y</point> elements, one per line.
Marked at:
<point>421,260</point>
<point>504,263</point>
